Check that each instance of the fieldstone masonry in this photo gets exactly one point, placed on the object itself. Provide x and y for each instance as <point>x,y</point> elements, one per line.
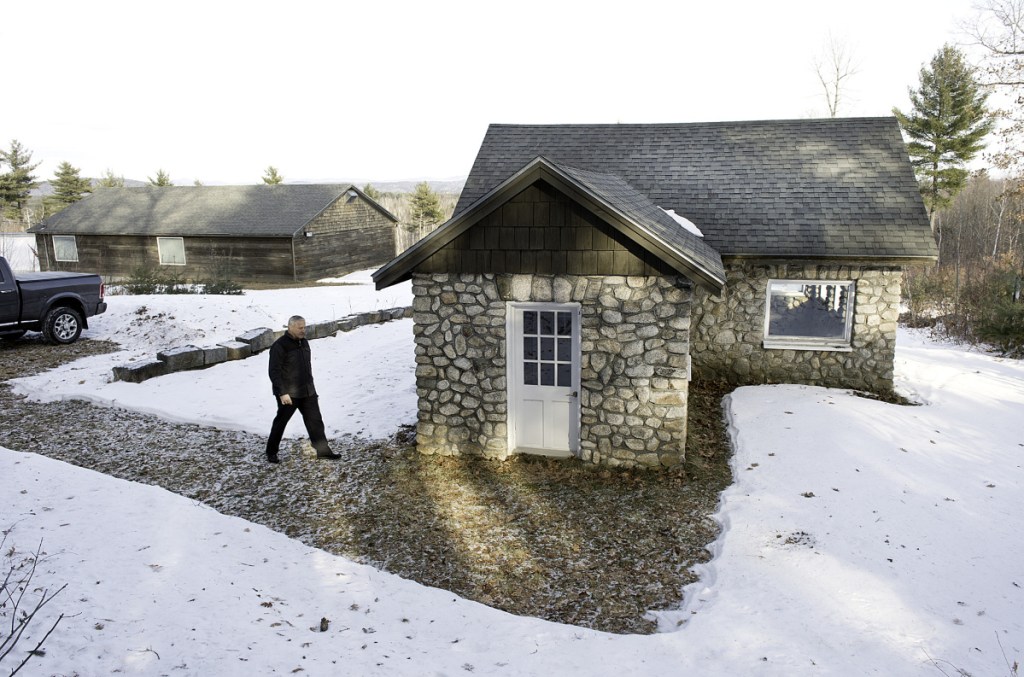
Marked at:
<point>728,330</point>
<point>634,366</point>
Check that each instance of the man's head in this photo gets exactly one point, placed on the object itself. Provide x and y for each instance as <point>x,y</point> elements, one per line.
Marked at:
<point>297,326</point>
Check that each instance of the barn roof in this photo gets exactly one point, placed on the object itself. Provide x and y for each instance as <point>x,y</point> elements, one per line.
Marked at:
<point>830,188</point>
<point>200,211</point>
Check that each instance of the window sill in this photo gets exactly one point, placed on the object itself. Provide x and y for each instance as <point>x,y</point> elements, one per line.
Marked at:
<point>816,346</point>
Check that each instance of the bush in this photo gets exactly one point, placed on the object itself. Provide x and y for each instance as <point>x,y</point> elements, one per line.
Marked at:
<point>221,286</point>
<point>143,280</point>
<point>976,304</point>
<point>1003,327</point>
<point>149,280</point>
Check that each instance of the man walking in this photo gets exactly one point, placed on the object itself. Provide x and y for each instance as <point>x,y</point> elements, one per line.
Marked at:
<point>291,375</point>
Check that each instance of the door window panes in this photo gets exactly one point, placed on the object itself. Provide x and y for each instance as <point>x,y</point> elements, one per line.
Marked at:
<point>547,348</point>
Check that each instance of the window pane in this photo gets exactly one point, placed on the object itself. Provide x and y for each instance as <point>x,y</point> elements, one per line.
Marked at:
<point>547,323</point>
<point>172,251</point>
<point>530,373</point>
<point>547,348</point>
<point>529,347</point>
<point>65,248</point>
<point>529,322</point>
<point>565,375</point>
<point>564,324</point>
<point>564,350</point>
<point>809,310</point>
<point>547,374</point>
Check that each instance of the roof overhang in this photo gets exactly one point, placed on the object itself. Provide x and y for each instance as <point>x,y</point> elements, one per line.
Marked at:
<point>541,169</point>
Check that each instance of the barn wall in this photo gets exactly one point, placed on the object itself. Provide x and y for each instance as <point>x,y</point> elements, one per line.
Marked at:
<point>349,235</point>
<point>118,256</point>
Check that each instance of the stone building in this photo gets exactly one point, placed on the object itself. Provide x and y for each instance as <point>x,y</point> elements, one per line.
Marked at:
<point>590,270</point>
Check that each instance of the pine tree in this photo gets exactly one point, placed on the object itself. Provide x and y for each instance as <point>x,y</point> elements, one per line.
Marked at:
<point>946,127</point>
<point>110,180</point>
<point>426,205</point>
<point>162,179</point>
<point>372,192</point>
<point>271,177</point>
<point>18,182</point>
<point>68,185</point>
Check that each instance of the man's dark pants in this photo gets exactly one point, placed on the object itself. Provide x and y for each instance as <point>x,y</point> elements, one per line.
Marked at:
<point>309,407</point>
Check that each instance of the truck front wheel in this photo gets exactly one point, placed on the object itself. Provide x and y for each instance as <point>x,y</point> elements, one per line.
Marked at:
<point>62,325</point>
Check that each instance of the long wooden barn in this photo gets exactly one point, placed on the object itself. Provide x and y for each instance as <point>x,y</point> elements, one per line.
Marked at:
<point>246,233</point>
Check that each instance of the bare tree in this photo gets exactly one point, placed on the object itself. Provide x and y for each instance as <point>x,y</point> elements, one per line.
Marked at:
<point>834,66</point>
<point>15,585</point>
<point>998,29</point>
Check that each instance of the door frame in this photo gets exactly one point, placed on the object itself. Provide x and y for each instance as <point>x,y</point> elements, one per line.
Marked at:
<point>513,374</point>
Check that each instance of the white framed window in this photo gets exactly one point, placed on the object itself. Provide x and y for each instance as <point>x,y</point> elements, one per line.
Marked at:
<point>809,315</point>
<point>65,248</point>
<point>172,251</point>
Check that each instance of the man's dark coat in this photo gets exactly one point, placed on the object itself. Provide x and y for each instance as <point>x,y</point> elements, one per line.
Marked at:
<point>291,369</point>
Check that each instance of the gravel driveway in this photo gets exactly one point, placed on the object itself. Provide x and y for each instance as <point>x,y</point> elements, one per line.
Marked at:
<point>564,541</point>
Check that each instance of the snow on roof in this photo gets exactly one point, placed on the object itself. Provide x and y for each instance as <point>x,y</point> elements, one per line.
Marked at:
<point>683,221</point>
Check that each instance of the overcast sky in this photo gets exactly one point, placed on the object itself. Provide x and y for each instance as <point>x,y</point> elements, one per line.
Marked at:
<point>373,91</point>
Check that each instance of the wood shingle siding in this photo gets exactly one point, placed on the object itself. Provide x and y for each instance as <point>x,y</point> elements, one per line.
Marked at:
<point>540,231</point>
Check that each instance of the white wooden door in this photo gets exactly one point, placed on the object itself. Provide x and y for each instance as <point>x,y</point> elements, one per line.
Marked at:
<point>544,378</point>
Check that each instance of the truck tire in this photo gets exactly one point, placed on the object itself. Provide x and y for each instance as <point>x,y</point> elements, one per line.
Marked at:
<point>62,325</point>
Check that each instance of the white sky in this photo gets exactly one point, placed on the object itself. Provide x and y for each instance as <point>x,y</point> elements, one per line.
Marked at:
<point>217,91</point>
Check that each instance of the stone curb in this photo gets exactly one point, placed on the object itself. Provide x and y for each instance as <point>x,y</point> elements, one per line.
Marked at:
<point>185,358</point>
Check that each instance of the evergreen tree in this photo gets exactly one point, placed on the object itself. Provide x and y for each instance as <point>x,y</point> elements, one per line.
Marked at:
<point>372,192</point>
<point>426,205</point>
<point>162,179</point>
<point>110,180</point>
<point>271,177</point>
<point>18,181</point>
<point>68,185</point>
<point>946,127</point>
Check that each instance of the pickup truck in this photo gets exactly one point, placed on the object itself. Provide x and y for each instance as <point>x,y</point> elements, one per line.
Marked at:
<point>56,304</point>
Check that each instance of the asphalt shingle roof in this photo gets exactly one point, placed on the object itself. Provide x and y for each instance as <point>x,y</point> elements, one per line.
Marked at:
<point>831,188</point>
<point>244,211</point>
<point>639,209</point>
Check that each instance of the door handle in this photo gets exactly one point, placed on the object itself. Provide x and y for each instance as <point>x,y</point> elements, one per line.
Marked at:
<point>6,291</point>
<point>575,393</point>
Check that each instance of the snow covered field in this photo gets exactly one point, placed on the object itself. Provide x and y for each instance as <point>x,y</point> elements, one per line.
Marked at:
<point>859,538</point>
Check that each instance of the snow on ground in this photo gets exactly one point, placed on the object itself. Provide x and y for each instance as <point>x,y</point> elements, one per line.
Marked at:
<point>365,379</point>
<point>859,538</point>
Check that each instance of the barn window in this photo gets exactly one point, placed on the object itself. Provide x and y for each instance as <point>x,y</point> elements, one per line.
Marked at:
<point>65,248</point>
<point>172,251</point>
<point>809,314</point>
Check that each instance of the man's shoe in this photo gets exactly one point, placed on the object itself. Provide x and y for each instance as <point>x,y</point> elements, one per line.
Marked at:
<point>272,458</point>
<point>329,455</point>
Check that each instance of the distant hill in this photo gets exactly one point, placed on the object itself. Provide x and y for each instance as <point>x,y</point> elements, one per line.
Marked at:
<point>443,186</point>
<point>44,188</point>
<point>452,186</point>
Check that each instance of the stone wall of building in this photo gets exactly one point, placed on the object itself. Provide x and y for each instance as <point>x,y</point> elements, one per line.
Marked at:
<point>728,330</point>
<point>634,366</point>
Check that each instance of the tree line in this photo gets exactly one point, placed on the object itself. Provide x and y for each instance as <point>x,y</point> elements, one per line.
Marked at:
<point>975,291</point>
<point>420,210</point>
